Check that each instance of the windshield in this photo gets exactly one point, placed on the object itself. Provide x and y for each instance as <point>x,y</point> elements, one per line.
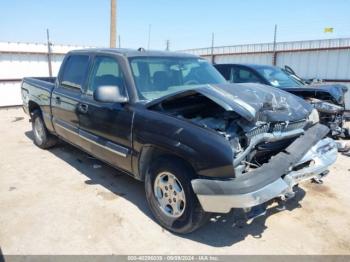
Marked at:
<point>159,76</point>
<point>277,77</point>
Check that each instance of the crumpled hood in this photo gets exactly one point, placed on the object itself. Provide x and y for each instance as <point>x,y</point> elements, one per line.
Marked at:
<point>336,92</point>
<point>254,102</point>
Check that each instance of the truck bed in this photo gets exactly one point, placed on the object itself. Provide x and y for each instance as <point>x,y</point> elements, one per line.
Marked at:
<point>40,82</point>
<point>38,90</point>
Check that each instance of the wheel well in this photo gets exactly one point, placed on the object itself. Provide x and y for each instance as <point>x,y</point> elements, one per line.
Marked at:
<point>32,106</point>
<point>150,153</point>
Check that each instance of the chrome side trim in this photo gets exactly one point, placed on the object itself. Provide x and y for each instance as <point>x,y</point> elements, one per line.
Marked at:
<point>67,129</point>
<point>67,126</point>
<point>112,147</point>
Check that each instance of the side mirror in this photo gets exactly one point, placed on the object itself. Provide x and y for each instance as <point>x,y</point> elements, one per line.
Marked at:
<point>109,94</point>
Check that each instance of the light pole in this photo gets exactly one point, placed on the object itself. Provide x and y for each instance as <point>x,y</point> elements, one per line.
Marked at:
<point>212,48</point>
<point>49,52</point>
<point>274,59</point>
<point>149,36</point>
<point>113,26</point>
<point>167,43</point>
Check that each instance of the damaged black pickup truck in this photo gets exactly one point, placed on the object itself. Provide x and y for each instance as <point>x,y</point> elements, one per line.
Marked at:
<point>201,145</point>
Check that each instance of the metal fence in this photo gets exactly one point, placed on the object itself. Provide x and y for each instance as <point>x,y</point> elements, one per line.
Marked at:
<point>324,59</point>
<point>18,60</point>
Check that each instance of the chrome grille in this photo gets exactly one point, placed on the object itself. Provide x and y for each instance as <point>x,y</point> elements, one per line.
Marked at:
<point>279,127</point>
<point>258,131</point>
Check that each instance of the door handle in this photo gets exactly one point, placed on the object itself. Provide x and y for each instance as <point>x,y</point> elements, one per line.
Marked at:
<point>83,108</point>
<point>58,99</point>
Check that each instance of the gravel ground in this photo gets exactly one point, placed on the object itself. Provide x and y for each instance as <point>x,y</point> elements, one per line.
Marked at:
<point>60,201</point>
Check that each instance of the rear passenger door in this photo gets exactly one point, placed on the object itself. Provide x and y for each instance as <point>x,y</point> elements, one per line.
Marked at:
<point>106,127</point>
<point>66,96</point>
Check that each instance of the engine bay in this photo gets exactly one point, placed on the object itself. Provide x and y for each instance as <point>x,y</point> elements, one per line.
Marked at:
<point>253,144</point>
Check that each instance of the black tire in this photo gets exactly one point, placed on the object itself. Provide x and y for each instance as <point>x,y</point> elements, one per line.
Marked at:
<point>347,133</point>
<point>42,138</point>
<point>193,215</point>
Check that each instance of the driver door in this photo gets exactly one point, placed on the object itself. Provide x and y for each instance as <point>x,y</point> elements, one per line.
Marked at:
<point>105,128</point>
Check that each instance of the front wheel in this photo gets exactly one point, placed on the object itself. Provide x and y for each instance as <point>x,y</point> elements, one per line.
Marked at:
<point>171,198</point>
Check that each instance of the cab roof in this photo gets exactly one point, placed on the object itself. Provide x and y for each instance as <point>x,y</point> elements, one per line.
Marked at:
<point>255,66</point>
<point>133,52</point>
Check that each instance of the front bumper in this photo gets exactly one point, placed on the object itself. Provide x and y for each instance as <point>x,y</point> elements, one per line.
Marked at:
<point>221,196</point>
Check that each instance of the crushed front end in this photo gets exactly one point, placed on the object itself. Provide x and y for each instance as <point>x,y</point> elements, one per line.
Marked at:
<point>273,141</point>
<point>308,156</point>
<point>331,115</point>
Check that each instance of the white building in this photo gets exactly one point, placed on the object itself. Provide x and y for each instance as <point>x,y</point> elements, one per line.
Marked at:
<point>18,60</point>
<point>322,59</point>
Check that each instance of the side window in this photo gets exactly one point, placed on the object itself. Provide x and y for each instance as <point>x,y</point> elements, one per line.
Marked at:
<point>242,75</point>
<point>224,71</point>
<point>106,71</point>
<point>74,71</point>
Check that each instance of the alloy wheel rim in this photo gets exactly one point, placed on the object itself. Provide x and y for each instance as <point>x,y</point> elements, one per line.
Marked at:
<point>39,130</point>
<point>170,194</point>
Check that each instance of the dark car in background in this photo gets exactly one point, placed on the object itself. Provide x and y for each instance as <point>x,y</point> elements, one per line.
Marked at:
<point>327,99</point>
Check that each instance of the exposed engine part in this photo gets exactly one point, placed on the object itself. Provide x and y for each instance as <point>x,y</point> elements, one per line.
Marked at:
<point>244,137</point>
<point>331,115</point>
<point>240,169</point>
<point>251,141</point>
<point>334,121</point>
<point>266,137</point>
<point>211,122</point>
<point>249,164</point>
<point>236,145</point>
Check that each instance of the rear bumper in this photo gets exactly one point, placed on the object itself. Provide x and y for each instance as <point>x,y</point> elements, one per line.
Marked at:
<point>221,196</point>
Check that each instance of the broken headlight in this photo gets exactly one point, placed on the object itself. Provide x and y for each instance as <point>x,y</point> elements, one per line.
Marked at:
<point>314,118</point>
<point>326,107</point>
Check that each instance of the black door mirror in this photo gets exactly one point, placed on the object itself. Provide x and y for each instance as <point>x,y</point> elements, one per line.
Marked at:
<point>109,94</point>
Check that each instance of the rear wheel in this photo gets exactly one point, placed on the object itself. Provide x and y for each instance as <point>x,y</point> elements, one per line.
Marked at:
<point>171,198</point>
<point>42,137</point>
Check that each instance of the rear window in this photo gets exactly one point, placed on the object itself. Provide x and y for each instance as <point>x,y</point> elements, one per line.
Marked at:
<point>74,71</point>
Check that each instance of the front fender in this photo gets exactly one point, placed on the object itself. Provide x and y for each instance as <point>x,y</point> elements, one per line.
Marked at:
<point>209,153</point>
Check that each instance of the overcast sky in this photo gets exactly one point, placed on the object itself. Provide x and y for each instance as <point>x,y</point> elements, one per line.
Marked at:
<point>185,23</point>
